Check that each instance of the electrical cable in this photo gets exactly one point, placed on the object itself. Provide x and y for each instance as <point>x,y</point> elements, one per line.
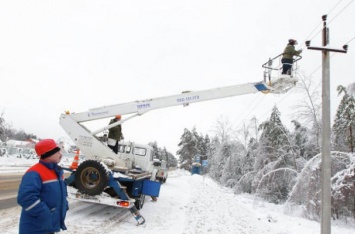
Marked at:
<point>315,70</point>
<point>350,41</point>
<point>309,38</point>
<point>341,11</point>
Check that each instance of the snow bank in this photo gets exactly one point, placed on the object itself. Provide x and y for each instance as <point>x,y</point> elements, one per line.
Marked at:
<point>187,204</point>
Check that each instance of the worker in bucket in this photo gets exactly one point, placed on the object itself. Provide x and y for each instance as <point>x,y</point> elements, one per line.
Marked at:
<point>287,57</point>
<point>115,134</point>
<point>43,193</point>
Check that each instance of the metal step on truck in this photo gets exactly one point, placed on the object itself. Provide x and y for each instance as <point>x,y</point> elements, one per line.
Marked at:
<point>123,179</point>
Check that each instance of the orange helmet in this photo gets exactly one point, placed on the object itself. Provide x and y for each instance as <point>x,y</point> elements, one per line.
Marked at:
<point>118,117</point>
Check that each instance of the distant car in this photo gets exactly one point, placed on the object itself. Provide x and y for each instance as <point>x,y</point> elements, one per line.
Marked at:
<point>162,170</point>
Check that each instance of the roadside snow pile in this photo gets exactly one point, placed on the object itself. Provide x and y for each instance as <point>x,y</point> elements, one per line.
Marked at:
<point>12,164</point>
<point>192,204</point>
<point>188,204</point>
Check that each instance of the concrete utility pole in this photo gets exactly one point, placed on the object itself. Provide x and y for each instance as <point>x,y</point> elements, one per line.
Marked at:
<point>326,130</point>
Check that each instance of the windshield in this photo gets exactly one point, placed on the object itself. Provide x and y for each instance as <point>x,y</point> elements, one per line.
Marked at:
<point>140,151</point>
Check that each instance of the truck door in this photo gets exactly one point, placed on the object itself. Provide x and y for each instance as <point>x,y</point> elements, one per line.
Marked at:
<point>126,154</point>
<point>141,157</point>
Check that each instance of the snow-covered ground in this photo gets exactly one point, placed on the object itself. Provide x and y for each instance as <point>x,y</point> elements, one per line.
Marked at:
<point>187,204</point>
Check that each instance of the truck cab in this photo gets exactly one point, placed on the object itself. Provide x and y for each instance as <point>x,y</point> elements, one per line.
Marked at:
<point>137,156</point>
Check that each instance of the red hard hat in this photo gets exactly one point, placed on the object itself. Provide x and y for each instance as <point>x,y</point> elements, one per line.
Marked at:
<point>118,116</point>
<point>46,148</point>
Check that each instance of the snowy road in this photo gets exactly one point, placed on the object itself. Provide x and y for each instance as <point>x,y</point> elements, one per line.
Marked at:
<point>187,205</point>
<point>9,184</point>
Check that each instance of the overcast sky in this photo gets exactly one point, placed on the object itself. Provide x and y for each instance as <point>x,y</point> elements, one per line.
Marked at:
<point>77,55</point>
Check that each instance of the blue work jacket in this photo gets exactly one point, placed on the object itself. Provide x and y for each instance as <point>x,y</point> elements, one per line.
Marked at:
<point>43,197</point>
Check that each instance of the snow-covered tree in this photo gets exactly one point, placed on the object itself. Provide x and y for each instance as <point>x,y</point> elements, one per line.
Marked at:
<point>213,159</point>
<point>243,134</point>
<point>156,150</point>
<point>272,139</point>
<point>302,140</point>
<point>204,145</point>
<point>308,110</point>
<point>244,184</point>
<point>275,163</point>
<point>190,144</point>
<point>306,194</point>
<point>344,123</point>
<point>2,127</point>
<point>223,129</point>
<point>253,127</point>
<point>343,193</point>
<point>231,164</point>
<point>163,154</point>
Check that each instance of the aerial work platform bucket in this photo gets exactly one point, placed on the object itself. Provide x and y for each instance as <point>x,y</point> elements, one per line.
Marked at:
<point>273,77</point>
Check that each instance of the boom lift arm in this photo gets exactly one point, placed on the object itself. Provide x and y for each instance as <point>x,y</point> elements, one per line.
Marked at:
<point>94,149</point>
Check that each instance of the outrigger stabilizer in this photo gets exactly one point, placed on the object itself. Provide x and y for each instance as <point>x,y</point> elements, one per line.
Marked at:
<point>123,202</point>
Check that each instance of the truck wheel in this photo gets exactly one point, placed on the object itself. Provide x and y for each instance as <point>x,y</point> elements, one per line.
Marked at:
<point>91,177</point>
<point>139,201</point>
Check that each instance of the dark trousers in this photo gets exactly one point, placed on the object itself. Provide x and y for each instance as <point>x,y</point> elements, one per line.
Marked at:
<point>114,148</point>
<point>286,66</point>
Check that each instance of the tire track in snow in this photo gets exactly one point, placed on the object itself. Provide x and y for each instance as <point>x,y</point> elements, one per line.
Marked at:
<point>94,218</point>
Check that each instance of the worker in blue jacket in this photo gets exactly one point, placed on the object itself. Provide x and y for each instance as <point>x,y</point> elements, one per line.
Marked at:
<point>42,192</point>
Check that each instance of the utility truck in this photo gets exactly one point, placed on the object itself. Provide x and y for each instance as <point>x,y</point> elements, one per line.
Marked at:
<point>125,178</point>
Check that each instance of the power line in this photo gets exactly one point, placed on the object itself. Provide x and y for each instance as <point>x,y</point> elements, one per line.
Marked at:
<point>341,11</point>
<point>334,7</point>
<point>331,10</point>
<point>350,41</point>
<point>315,70</point>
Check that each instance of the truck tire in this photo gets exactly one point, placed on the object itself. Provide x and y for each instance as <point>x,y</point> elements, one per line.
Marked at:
<point>91,177</point>
<point>139,201</point>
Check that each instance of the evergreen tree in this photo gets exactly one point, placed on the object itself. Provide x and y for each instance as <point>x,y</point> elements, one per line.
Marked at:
<point>2,127</point>
<point>303,141</point>
<point>205,149</point>
<point>163,154</point>
<point>275,162</point>
<point>213,158</point>
<point>344,123</point>
<point>272,139</point>
<point>300,137</point>
<point>244,184</point>
<point>172,161</point>
<point>187,150</point>
<point>156,150</point>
